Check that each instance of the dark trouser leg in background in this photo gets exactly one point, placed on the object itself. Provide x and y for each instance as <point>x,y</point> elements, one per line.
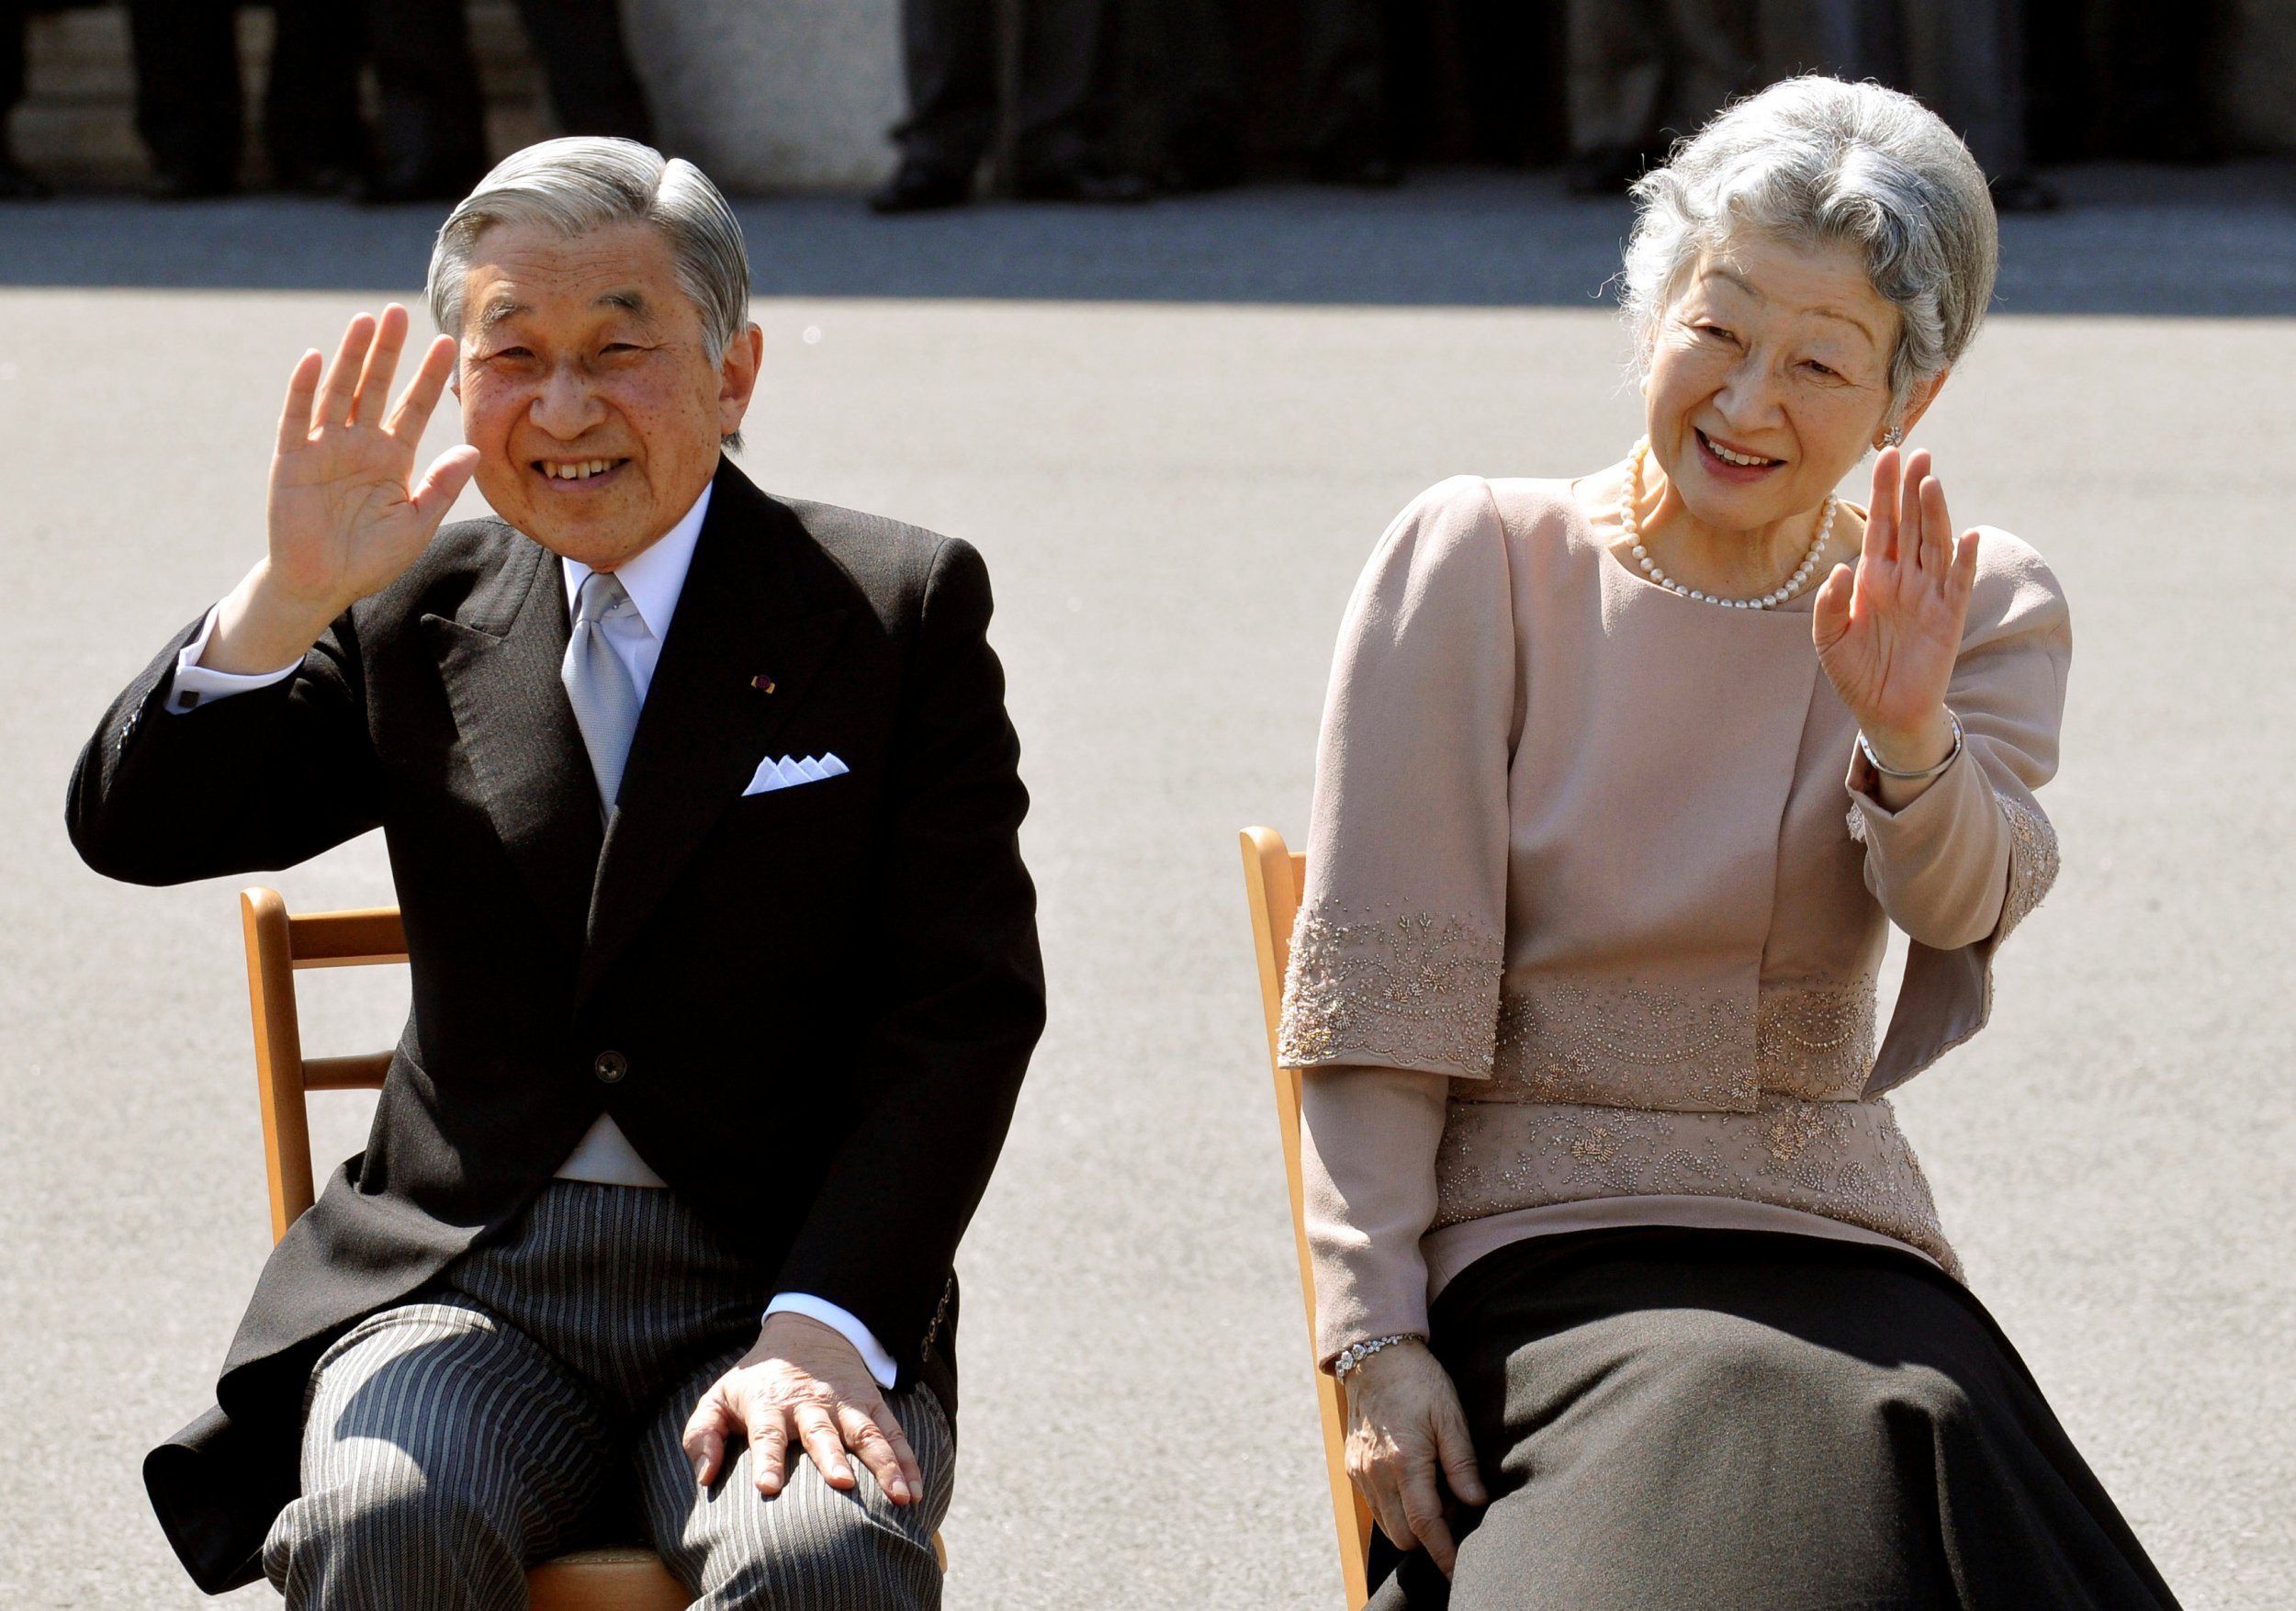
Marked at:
<point>949,56</point>
<point>433,133</point>
<point>1204,116</point>
<point>188,94</point>
<point>1965,58</point>
<point>593,88</point>
<point>1060,63</point>
<point>310,111</point>
<point>15,184</point>
<point>1343,60</point>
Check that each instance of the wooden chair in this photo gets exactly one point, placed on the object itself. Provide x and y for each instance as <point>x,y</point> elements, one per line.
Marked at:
<point>277,947</point>
<point>1273,878</point>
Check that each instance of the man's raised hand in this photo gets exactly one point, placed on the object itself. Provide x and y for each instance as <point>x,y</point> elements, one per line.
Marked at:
<point>346,516</point>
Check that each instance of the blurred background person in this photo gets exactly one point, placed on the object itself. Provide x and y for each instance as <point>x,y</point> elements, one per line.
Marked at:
<point>1965,59</point>
<point>1645,71</point>
<point>1641,72</point>
<point>2124,79</point>
<point>16,183</point>
<point>434,125</point>
<point>190,110</point>
<point>1203,103</point>
<point>1315,81</point>
<point>1343,56</point>
<point>948,51</point>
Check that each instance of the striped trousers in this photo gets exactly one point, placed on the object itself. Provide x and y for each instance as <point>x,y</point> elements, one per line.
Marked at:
<point>530,1403</point>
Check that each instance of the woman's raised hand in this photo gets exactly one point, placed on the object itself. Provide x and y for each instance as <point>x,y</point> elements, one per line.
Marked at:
<point>1406,1436</point>
<point>346,516</point>
<point>1889,632</point>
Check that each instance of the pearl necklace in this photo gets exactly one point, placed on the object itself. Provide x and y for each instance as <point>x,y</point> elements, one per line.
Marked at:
<point>1794,584</point>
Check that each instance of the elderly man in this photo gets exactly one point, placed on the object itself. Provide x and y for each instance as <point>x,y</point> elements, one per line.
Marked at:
<point>702,806</point>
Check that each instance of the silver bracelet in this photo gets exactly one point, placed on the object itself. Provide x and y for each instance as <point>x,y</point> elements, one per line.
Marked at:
<point>1355,1353</point>
<point>1926,773</point>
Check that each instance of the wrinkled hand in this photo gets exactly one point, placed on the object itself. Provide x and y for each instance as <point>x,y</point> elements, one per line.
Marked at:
<point>346,516</point>
<point>804,1380</point>
<point>1405,1427</point>
<point>1888,633</point>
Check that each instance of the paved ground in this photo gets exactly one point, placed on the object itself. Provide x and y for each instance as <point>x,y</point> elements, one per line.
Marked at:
<point>1175,492</point>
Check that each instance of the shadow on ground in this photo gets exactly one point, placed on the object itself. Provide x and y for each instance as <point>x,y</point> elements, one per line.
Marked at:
<point>2130,240</point>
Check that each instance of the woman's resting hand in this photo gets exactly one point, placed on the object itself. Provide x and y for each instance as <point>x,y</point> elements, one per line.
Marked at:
<point>1889,632</point>
<point>1406,1434</point>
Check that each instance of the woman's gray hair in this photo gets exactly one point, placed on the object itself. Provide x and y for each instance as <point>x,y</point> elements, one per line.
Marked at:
<point>1820,161</point>
<point>585,182</point>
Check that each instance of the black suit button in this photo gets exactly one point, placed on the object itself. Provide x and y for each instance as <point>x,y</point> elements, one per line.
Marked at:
<point>610,1067</point>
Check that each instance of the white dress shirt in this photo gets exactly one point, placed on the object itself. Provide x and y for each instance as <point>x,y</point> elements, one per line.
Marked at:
<point>653,578</point>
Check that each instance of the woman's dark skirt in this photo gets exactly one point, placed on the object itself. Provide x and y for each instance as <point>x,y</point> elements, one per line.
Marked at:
<point>1679,1420</point>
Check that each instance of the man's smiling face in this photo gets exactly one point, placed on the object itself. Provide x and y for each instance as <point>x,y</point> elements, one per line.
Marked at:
<point>588,390</point>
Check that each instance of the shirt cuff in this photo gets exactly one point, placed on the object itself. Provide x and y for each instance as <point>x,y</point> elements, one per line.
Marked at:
<point>196,684</point>
<point>845,1324</point>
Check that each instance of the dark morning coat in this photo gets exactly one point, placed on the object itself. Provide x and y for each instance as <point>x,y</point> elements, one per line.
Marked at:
<point>824,995</point>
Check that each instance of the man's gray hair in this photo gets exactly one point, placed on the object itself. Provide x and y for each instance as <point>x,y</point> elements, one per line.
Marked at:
<point>1814,160</point>
<point>585,182</point>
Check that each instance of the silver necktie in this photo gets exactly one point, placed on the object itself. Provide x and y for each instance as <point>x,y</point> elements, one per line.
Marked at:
<point>598,685</point>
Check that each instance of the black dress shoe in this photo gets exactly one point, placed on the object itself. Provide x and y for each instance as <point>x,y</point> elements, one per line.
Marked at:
<point>1203,159</point>
<point>319,179</point>
<point>17,185</point>
<point>1364,173</point>
<point>2022,193</point>
<point>404,182</point>
<point>1607,170</point>
<point>1081,184</point>
<point>921,187</point>
<point>171,183</point>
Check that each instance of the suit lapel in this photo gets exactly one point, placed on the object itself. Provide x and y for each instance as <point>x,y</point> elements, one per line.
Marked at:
<point>499,660</point>
<point>706,723</point>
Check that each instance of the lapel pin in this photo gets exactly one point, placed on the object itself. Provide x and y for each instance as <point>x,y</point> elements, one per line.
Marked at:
<point>762,682</point>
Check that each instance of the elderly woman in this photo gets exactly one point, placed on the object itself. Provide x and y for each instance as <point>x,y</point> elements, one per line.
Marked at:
<point>1621,782</point>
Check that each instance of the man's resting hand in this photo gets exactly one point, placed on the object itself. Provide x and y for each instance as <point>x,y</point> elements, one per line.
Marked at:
<point>802,1378</point>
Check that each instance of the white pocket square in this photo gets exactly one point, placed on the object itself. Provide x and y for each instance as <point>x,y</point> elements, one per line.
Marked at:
<point>791,771</point>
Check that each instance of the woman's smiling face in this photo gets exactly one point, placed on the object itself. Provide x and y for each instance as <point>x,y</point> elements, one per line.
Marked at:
<point>1769,379</point>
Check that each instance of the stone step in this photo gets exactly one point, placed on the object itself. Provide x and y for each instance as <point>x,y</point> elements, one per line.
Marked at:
<point>76,126</point>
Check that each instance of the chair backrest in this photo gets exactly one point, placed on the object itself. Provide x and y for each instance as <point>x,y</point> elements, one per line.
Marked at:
<point>1273,878</point>
<point>278,946</point>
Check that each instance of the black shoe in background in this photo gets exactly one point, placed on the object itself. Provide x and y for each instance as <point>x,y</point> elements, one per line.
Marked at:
<point>2022,193</point>
<point>332,179</point>
<point>921,187</point>
<point>1081,183</point>
<point>1363,173</point>
<point>1204,158</point>
<point>20,185</point>
<point>1607,170</point>
<point>402,184</point>
<point>170,182</point>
